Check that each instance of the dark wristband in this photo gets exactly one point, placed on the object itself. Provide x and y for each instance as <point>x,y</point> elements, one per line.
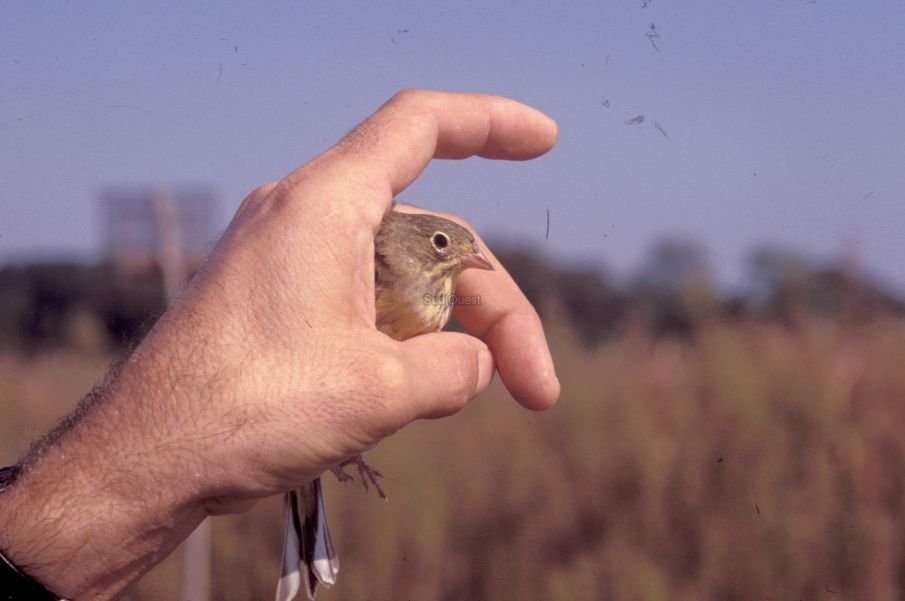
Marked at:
<point>8,475</point>
<point>16,585</point>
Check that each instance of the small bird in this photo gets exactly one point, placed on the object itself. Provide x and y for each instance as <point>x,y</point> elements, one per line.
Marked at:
<point>417,261</point>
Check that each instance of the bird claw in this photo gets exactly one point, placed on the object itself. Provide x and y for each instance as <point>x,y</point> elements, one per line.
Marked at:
<point>366,474</point>
<point>340,473</point>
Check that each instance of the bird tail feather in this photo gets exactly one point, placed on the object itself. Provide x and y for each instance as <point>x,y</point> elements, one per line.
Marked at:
<point>309,557</point>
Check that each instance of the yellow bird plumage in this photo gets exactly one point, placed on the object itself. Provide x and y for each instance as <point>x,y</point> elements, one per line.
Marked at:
<point>417,260</point>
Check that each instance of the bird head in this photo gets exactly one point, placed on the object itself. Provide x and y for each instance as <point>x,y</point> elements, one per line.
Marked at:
<point>435,246</point>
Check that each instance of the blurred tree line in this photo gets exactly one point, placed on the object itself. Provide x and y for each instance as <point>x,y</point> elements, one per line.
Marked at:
<point>675,288</point>
<point>50,304</point>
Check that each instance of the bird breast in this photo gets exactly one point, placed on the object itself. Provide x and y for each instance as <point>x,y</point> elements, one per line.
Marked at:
<point>406,311</point>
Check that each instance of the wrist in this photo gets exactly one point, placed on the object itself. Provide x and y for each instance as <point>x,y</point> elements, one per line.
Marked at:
<point>18,586</point>
<point>86,517</point>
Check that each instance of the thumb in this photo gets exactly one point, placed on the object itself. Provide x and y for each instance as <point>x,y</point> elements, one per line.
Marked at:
<point>448,370</point>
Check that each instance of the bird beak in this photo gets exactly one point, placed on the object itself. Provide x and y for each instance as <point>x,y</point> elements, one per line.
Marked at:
<point>477,261</point>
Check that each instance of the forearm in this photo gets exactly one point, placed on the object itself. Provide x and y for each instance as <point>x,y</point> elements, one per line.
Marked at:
<point>89,515</point>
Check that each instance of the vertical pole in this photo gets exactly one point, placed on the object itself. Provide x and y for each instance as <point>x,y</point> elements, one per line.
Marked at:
<point>169,246</point>
<point>196,576</point>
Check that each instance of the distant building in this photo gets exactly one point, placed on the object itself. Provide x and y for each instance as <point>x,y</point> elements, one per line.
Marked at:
<point>146,228</point>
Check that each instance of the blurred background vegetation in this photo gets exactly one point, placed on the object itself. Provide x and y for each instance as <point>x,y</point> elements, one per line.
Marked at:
<point>708,445</point>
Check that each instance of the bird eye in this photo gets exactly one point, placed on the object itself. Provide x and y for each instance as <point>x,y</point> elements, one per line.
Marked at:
<point>440,241</point>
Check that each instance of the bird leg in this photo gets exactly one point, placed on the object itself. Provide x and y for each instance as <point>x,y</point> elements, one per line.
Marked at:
<point>366,473</point>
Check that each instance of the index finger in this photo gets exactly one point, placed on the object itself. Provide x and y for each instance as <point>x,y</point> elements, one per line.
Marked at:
<point>388,150</point>
<point>507,322</point>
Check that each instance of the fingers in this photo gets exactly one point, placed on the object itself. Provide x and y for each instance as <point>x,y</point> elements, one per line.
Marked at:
<point>449,369</point>
<point>256,196</point>
<point>387,151</point>
<point>508,323</point>
<point>505,320</point>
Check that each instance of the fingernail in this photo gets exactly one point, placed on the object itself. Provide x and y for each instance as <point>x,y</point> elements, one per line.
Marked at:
<point>485,368</point>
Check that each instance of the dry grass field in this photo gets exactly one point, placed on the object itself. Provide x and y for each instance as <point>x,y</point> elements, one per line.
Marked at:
<point>752,462</point>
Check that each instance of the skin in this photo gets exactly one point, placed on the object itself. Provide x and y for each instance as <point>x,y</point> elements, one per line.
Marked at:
<point>269,369</point>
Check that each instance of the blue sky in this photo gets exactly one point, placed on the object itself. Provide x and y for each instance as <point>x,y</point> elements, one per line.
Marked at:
<point>785,120</point>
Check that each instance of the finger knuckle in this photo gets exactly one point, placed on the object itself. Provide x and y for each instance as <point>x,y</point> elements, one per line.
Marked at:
<point>377,377</point>
<point>390,378</point>
<point>408,96</point>
<point>265,189</point>
<point>262,192</point>
<point>378,386</point>
<point>465,378</point>
<point>257,197</point>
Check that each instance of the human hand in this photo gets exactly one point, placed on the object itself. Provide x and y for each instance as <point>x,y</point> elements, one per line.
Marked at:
<point>269,370</point>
